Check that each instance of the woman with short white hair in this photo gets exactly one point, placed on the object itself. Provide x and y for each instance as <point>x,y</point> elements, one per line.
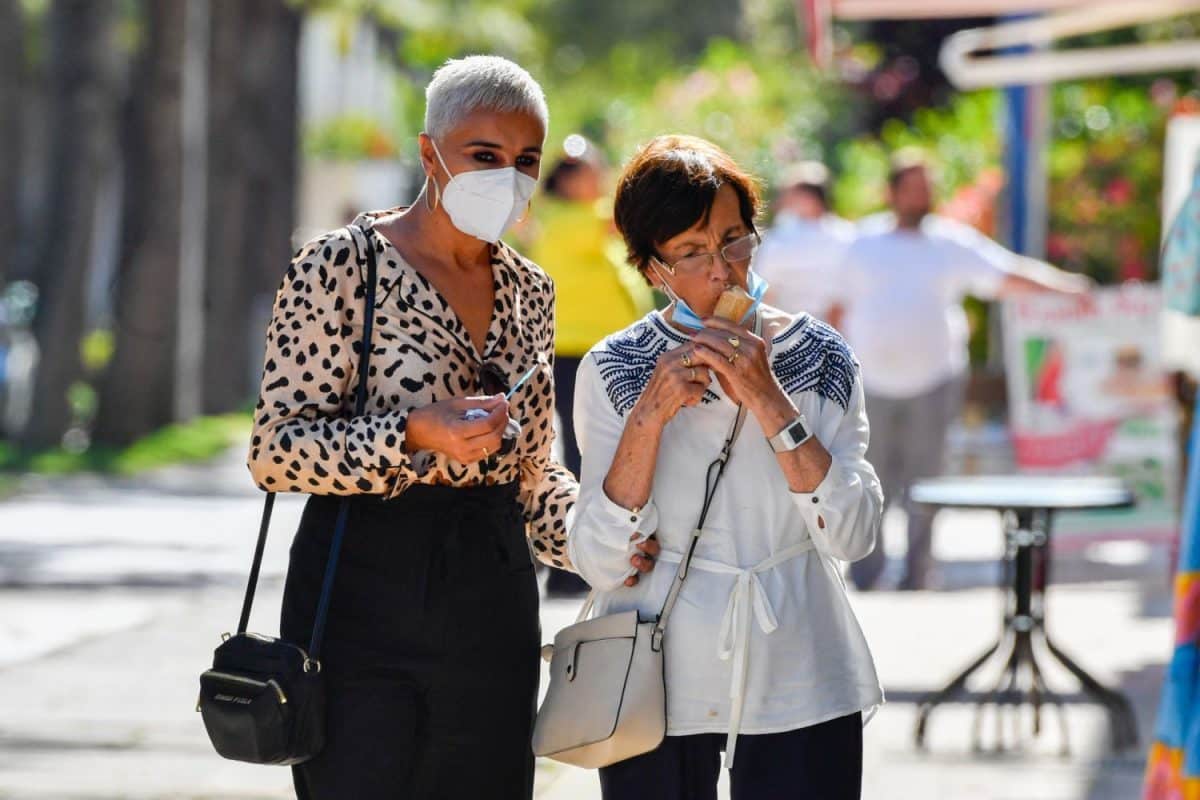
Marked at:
<point>431,644</point>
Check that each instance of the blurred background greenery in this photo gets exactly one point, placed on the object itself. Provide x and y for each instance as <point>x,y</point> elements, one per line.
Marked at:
<point>739,74</point>
<point>94,159</point>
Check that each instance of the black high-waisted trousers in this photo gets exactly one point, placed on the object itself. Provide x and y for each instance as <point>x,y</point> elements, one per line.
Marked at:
<point>431,646</point>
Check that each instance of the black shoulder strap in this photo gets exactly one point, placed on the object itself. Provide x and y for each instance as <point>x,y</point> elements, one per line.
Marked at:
<point>712,479</point>
<point>360,404</point>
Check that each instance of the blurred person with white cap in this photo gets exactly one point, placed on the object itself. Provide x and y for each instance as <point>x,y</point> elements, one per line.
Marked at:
<point>802,251</point>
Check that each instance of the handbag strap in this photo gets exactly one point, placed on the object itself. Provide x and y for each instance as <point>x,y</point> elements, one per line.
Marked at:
<point>360,404</point>
<point>710,490</point>
<point>712,478</point>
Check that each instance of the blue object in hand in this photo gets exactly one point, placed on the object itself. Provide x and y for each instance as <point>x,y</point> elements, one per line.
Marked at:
<point>479,413</point>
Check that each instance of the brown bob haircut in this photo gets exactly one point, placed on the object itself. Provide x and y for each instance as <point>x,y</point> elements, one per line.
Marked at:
<point>669,185</point>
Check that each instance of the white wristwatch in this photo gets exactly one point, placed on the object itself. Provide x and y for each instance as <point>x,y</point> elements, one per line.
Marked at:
<point>794,434</point>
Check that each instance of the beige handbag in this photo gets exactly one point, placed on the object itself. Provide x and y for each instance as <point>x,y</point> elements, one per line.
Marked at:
<point>607,699</point>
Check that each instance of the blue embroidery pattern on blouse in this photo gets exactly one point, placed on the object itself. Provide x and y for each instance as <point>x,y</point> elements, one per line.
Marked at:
<point>627,361</point>
<point>820,361</point>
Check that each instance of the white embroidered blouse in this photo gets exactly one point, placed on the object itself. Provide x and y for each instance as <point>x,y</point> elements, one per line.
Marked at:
<point>763,639</point>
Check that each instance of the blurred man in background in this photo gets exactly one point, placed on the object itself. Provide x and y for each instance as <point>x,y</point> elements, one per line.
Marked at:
<point>901,286</point>
<point>802,251</point>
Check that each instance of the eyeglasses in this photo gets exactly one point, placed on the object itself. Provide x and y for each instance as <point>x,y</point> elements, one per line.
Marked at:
<point>492,379</point>
<point>740,249</point>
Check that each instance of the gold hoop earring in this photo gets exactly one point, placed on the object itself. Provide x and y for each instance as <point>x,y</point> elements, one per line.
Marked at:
<point>438,199</point>
<point>525,216</point>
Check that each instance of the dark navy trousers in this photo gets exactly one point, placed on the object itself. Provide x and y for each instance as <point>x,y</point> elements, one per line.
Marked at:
<point>820,762</point>
<point>431,646</point>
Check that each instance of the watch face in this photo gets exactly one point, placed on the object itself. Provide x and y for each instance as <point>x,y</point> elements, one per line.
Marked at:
<point>790,437</point>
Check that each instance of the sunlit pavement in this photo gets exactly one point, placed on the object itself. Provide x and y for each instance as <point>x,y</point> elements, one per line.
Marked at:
<point>112,595</point>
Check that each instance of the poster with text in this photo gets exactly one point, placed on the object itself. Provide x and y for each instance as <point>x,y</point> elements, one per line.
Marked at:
<point>1088,396</point>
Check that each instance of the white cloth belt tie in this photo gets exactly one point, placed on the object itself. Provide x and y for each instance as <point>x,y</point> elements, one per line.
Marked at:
<point>748,597</point>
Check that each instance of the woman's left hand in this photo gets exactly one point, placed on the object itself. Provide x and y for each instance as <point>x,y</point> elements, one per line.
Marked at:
<point>645,557</point>
<point>740,361</point>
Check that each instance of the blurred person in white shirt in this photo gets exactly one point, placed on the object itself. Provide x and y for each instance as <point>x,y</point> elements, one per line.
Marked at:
<point>899,300</point>
<point>802,251</point>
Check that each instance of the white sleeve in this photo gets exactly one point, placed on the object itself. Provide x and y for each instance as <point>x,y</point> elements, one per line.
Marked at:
<point>980,264</point>
<point>600,543</point>
<point>770,261</point>
<point>842,288</point>
<point>844,512</point>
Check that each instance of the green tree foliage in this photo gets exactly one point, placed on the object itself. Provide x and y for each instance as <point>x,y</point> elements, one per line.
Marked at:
<point>676,28</point>
<point>962,140</point>
<point>618,71</point>
<point>624,71</point>
<point>1104,167</point>
<point>1106,176</point>
<point>766,110</point>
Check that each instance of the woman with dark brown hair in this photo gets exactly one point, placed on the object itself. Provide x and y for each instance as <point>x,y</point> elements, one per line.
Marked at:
<point>763,652</point>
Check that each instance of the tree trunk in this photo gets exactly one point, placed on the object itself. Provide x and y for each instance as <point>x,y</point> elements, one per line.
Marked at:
<point>252,177</point>
<point>137,390</point>
<point>12,70</point>
<point>82,117</point>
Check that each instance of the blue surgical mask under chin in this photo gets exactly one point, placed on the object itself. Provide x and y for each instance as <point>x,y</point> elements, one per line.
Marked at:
<point>756,287</point>
<point>684,315</point>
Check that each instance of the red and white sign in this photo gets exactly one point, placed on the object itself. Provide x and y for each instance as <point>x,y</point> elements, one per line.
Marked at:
<point>1088,395</point>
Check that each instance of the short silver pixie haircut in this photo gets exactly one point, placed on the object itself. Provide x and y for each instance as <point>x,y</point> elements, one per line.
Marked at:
<point>462,86</point>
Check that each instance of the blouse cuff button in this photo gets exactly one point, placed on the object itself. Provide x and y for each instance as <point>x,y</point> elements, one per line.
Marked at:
<point>816,499</point>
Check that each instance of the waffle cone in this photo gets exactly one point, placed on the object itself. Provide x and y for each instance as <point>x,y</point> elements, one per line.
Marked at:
<point>733,304</point>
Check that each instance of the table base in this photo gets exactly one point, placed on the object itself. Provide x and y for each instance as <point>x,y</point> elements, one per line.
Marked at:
<point>1026,572</point>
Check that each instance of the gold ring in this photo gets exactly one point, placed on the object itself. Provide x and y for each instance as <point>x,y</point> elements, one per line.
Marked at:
<point>486,454</point>
<point>692,377</point>
<point>733,356</point>
<point>735,342</point>
<point>687,358</point>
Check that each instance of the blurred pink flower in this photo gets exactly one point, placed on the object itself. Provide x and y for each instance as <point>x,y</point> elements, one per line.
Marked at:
<point>1119,191</point>
<point>886,86</point>
<point>743,82</point>
<point>700,85</point>
<point>1058,247</point>
<point>1163,92</point>
<point>1134,270</point>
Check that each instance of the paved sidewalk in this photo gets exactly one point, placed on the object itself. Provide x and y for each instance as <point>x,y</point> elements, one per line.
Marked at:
<point>921,639</point>
<point>112,597</point>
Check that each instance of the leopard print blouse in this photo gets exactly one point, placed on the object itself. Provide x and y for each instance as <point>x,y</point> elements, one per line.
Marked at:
<point>305,437</point>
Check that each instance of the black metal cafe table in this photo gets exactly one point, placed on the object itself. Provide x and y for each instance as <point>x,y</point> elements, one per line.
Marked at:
<point>1027,505</point>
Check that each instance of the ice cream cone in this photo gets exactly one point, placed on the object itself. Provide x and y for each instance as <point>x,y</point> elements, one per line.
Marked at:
<point>733,304</point>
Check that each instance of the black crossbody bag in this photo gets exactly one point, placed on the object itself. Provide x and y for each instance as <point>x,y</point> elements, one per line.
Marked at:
<point>263,701</point>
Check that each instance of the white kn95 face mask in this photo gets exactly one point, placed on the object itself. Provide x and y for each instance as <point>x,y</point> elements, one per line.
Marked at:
<point>485,203</point>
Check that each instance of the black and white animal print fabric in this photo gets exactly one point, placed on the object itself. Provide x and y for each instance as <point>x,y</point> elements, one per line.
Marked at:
<point>305,437</point>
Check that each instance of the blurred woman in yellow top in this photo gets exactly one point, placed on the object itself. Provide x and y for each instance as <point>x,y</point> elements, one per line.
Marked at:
<point>571,237</point>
